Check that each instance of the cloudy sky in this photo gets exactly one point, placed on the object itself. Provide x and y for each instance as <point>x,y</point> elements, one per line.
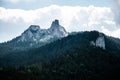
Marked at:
<point>74,15</point>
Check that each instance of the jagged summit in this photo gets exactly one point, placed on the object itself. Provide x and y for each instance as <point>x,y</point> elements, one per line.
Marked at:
<point>34,27</point>
<point>57,30</point>
<point>56,22</point>
<point>35,33</point>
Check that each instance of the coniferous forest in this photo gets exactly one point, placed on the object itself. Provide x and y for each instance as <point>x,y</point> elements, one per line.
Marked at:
<point>69,58</point>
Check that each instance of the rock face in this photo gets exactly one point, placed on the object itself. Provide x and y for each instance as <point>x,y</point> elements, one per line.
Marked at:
<point>100,42</point>
<point>31,34</point>
<point>57,30</point>
<point>35,33</point>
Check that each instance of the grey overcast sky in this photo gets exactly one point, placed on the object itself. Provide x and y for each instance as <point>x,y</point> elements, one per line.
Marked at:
<point>74,15</point>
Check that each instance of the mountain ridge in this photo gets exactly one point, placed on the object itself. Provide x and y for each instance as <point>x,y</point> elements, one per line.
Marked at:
<point>35,34</point>
<point>72,58</point>
<point>65,44</point>
<point>88,55</point>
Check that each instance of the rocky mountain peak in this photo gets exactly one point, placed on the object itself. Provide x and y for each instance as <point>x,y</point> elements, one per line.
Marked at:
<point>56,22</point>
<point>34,33</point>
<point>34,28</point>
<point>57,30</point>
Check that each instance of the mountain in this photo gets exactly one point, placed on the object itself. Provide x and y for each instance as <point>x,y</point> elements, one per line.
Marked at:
<point>35,34</point>
<point>79,56</point>
<point>49,51</point>
<point>53,54</point>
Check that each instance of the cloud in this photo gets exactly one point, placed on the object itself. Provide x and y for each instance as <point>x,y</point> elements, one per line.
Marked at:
<point>73,18</point>
<point>12,1</point>
<point>18,1</point>
<point>85,16</point>
<point>116,10</point>
<point>115,33</point>
<point>14,15</point>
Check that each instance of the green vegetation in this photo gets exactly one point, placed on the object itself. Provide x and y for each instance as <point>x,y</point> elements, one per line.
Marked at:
<point>70,58</point>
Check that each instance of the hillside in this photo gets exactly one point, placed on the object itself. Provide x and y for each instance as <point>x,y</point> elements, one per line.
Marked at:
<point>73,58</point>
